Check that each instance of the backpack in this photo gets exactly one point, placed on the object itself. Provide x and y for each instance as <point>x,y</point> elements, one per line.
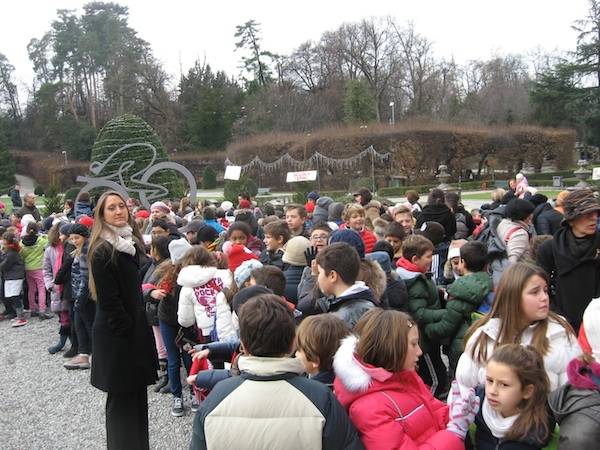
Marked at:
<point>206,295</point>
<point>462,230</point>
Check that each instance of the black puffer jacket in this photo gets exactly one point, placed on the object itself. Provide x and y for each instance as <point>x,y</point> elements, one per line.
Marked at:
<point>440,214</point>
<point>350,307</point>
<point>574,272</point>
<point>11,265</point>
<point>548,222</point>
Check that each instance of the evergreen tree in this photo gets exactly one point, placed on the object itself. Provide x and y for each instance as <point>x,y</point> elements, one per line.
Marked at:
<point>209,178</point>
<point>359,104</point>
<point>7,167</point>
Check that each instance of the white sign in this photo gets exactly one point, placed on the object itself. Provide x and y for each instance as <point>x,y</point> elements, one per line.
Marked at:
<point>232,173</point>
<point>307,175</point>
<point>596,173</point>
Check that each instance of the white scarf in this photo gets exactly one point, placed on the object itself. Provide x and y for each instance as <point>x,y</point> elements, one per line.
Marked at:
<point>120,238</point>
<point>497,424</point>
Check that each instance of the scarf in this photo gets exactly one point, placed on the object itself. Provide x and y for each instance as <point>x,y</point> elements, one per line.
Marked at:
<point>406,264</point>
<point>121,238</point>
<point>497,424</point>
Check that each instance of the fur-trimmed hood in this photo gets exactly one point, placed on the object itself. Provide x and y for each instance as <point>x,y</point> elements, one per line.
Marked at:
<point>374,277</point>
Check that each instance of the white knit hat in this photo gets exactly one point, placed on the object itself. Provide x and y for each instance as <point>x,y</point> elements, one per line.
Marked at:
<point>178,248</point>
<point>26,220</point>
<point>591,325</point>
<point>294,251</point>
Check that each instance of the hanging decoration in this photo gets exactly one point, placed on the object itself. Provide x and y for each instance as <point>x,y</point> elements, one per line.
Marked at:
<point>317,159</point>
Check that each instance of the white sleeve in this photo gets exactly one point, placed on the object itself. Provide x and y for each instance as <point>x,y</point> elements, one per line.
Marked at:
<point>225,329</point>
<point>185,311</point>
<point>469,372</point>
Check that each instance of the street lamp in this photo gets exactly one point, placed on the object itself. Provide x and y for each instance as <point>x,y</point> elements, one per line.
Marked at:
<point>393,119</point>
<point>64,152</point>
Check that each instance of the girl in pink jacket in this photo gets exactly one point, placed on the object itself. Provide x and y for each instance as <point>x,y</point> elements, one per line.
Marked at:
<point>388,403</point>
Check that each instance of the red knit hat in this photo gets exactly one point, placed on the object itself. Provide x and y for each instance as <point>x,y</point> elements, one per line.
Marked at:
<point>142,214</point>
<point>237,254</point>
<point>244,204</point>
<point>310,207</point>
<point>86,221</point>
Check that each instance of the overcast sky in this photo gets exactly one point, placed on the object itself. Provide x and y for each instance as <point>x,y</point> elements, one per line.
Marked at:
<point>185,30</point>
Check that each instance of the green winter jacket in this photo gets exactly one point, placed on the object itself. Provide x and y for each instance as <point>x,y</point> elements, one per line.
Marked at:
<point>465,296</point>
<point>423,302</point>
<point>32,251</point>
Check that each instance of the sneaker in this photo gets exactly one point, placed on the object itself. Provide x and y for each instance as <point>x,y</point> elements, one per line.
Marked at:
<point>79,362</point>
<point>71,353</point>
<point>177,410</point>
<point>195,404</point>
<point>45,315</point>
<point>18,323</point>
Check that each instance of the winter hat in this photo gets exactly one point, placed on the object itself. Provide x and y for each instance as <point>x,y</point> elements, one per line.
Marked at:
<point>161,206</point>
<point>26,220</point>
<point>244,270</point>
<point>2,205</point>
<point>350,237</point>
<point>453,252</point>
<point>309,207</point>
<point>590,328</point>
<point>5,223</point>
<point>226,205</point>
<point>382,258</point>
<point>86,221</point>
<point>433,231</point>
<point>47,223</point>
<point>80,229</point>
<point>65,229</point>
<point>538,199</point>
<point>321,213</point>
<point>246,294</point>
<point>192,227</point>
<point>237,254</point>
<point>178,248</point>
<point>206,233</point>
<point>313,195</point>
<point>244,204</point>
<point>335,211</point>
<point>294,251</point>
<point>142,214</point>
<point>580,202</point>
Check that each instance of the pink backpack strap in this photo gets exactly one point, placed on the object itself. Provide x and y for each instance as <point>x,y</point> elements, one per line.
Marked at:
<point>511,232</point>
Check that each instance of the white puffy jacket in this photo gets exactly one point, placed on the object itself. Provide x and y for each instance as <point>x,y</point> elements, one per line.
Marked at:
<point>563,348</point>
<point>200,296</point>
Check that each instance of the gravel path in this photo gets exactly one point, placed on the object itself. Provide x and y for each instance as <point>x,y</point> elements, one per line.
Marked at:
<point>44,406</point>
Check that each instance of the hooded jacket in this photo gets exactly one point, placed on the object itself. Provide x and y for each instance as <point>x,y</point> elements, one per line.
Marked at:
<point>440,214</point>
<point>351,305</point>
<point>32,251</point>
<point>423,302</point>
<point>390,410</point>
<point>574,278</point>
<point>271,406</point>
<point>576,406</point>
<point>201,287</point>
<point>563,347</point>
<point>321,212</point>
<point>11,265</point>
<point>465,296</point>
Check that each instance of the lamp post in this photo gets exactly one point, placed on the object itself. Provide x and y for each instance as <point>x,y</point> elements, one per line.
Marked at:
<point>393,119</point>
<point>64,152</point>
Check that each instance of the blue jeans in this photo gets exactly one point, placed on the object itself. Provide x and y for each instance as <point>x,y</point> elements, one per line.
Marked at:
<point>174,355</point>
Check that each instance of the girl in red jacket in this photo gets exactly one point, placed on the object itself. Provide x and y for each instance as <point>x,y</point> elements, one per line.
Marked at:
<point>388,403</point>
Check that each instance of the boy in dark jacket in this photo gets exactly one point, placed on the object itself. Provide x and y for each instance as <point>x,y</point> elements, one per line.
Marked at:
<point>12,271</point>
<point>465,296</point>
<point>240,409</point>
<point>276,236</point>
<point>338,266</point>
<point>423,305</point>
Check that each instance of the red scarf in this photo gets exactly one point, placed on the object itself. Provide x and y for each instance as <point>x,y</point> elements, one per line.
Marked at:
<point>406,264</point>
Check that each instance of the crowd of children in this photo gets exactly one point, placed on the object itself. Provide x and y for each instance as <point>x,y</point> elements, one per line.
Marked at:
<point>361,325</point>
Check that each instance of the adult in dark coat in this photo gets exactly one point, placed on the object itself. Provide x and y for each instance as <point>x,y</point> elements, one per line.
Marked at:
<point>124,356</point>
<point>15,197</point>
<point>572,258</point>
<point>436,210</point>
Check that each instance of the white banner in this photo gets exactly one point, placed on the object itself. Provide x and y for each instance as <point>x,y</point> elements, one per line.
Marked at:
<point>307,175</point>
<point>232,173</point>
<point>596,173</point>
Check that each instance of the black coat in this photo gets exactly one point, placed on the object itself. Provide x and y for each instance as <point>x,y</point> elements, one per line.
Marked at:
<point>11,266</point>
<point>575,279</point>
<point>293,275</point>
<point>15,198</point>
<point>63,276</point>
<point>440,214</point>
<point>122,343</point>
<point>548,222</point>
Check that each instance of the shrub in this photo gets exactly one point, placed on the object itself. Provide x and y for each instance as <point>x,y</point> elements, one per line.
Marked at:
<point>233,188</point>
<point>53,201</point>
<point>39,190</point>
<point>209,178</point>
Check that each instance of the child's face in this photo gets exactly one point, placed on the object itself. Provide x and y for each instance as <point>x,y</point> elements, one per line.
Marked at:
<point>294,220</point>
<point>405,219</point>
<point>273,243</point>
<point>394,242</point>
<point>311,367</point>
<point>77,240</point>
<point>14,219</point>
<point>356,221</point>
<point>534,299</point>
<point>413,352</point>
<point>325,282</point>
<point>457,265</point>
<point>238,237</point>
<point>423,262</point>
<point>503,390</point>
<point>318,239</point>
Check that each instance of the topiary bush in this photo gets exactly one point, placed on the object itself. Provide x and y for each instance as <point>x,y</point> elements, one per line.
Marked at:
<point>209,178</point>
<point>132,162</point>
<point>233,188</point>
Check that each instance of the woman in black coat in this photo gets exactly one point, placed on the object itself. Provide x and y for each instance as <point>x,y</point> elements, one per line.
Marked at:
<point>124,359</point>
<point>436,210</point>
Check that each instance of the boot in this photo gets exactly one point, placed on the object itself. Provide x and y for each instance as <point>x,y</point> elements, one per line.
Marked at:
<point>166,389</point>
<point>58,347</point>
<point>163,379</point>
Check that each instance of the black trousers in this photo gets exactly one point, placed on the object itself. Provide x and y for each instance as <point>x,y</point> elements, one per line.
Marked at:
<point>433,372</point>
<point>84,321</point>
<point>127,420</point>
